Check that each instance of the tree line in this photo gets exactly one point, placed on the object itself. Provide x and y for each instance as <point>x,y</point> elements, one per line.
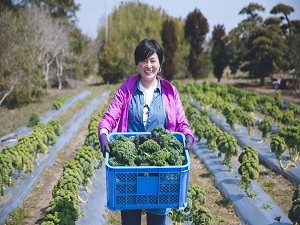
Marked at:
<point>42,47</point>
<point>256,46</point>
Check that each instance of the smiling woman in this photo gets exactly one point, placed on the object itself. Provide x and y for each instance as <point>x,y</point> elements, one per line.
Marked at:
<point>145,101</point>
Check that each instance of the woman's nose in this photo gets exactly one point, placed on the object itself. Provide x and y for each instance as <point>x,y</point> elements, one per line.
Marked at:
<point>148,64</point>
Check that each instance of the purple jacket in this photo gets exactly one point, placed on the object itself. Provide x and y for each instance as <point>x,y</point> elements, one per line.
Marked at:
<point>117,111</point>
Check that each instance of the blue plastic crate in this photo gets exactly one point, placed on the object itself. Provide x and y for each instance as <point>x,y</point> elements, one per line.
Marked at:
<point>147,187</point>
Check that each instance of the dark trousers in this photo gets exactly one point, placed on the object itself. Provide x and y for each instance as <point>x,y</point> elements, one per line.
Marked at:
<point>133,217</point>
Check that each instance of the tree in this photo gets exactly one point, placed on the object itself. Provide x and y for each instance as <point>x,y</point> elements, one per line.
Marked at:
<point>170,45</point>
<point>292,31</point>
<point>195,30</point>
<point>251,11</point>
<point>236,39</point>
<point>218,54</point>
<point>111,64</point>
<point>266,52</point>
<point>128,25</point>
<point>285,10</point>
<point>17,62</point>
<point>51,42</point>
<point>294,44</point>
<point>63,10</point>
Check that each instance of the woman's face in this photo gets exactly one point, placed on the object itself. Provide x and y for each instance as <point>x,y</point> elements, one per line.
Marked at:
<point>149,67</point>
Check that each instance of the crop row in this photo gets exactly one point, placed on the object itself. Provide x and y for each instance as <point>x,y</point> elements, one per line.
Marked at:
<point>20,158</point>
<point>212,134</point>
<point>64,206</point>
<point>221,98</point>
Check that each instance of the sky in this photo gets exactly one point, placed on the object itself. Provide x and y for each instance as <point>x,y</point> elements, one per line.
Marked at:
<point>92,13</point>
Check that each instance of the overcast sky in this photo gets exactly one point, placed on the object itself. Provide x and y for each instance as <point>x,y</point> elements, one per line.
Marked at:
<point>224,12</point>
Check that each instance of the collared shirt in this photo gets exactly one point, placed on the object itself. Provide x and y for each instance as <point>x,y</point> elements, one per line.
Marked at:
<point>143,116</point>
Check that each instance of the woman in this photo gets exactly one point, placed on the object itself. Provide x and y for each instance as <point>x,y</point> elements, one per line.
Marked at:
<point>142,102</point>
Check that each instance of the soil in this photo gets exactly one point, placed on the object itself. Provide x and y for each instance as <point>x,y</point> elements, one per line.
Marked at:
<point>36,204</point>
<point>288,95</point>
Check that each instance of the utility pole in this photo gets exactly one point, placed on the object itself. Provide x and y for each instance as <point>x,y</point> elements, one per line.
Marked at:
<point>106,22</point>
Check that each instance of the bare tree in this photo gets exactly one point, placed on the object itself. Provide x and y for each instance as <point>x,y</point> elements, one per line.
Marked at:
<point>51,41</point>
<point>10,85</point>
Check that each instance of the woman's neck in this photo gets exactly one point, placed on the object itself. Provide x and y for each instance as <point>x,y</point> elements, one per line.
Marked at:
<point>149,85</point>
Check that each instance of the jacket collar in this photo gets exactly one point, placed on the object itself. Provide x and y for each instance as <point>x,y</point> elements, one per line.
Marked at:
<point>132,81</point>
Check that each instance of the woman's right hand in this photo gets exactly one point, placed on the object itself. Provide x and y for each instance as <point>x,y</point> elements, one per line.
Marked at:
<point>104,144</point>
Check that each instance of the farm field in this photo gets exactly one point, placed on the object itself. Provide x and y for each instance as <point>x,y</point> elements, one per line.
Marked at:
<point>274,184</point>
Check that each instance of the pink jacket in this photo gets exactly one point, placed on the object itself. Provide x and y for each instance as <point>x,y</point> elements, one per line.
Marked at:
<point>117,111</point>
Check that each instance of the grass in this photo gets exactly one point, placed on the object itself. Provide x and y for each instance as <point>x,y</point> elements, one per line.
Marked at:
<point>16,216</point>
<point>13,119</point>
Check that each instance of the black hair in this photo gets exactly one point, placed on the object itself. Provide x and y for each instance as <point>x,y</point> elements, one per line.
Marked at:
<point>146,48</point>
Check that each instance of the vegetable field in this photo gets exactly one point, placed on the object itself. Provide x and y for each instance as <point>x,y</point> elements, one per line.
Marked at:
<point>227,143</point>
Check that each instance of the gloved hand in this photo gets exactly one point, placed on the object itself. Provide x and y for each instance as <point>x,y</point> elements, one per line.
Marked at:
<point>104,144</point>
<point>188,143</point>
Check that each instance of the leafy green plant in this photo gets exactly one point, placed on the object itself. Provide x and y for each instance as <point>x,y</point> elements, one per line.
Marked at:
<point>291,135</point>
<point>294,212</point>
<point>265,126</point>
<point>203,216</point>
<point>24,159</point>
<point>275,113</point>
<point>160,148</point>
<point>86,159</point>
<point>288,117</point>
<point>266,206</point>
<point>292,106</point>
<point>227,144</point>
<point>278,146</point>
<point>217,105</point>
<point>238,111</point>
<point>196,211</point>
<point>278,100</point>
<point>247,103</point>
<point>6,172</point>
<point>211,133</point>
<point>231,119</point>
<point>266,107</point>
<point>58,103</point>
<point>248,122</point>
<point>55,123</point>
<point>33,119</point>
<point>248,168</point>
<point>36,140</point>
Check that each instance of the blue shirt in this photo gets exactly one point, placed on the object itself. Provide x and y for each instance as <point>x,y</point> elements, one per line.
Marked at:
<point>156,117</point>
<point>156,111</point>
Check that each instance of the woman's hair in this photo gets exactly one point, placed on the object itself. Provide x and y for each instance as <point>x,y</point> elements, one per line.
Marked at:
<point>146,48</point>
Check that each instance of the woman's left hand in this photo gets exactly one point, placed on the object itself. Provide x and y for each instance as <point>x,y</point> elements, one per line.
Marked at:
<point>188,141</point>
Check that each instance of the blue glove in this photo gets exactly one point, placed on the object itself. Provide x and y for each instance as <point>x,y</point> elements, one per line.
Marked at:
<point>104,144</point>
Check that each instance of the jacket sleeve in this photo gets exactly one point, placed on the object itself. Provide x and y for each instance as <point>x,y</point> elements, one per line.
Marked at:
<point>112,115</point>
<point>182,124</point>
